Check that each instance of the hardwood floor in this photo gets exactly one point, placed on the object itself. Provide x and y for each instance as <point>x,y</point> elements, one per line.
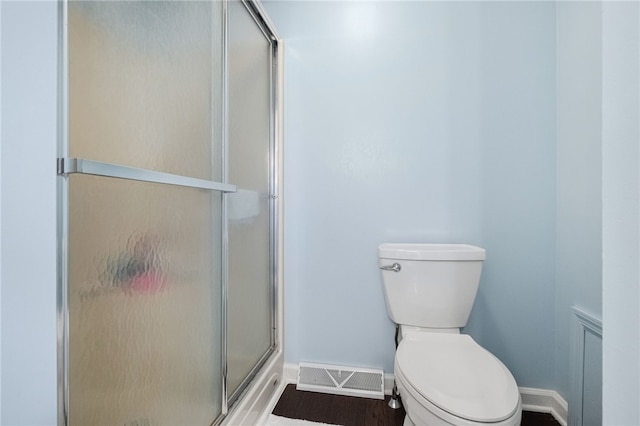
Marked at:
<point>336,409</point>
<point>530,418</point>
<point>353,411</point>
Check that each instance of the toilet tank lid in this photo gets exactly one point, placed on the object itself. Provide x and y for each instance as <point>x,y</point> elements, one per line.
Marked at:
<point>427,251</point>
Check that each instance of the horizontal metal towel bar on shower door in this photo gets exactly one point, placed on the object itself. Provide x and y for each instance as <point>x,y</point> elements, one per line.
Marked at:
<point>67,166</point>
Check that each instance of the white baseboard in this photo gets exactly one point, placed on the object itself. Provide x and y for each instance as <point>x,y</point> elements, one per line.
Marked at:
<point>290,374</point>
<point>545,401</point>
<point>388,383</point>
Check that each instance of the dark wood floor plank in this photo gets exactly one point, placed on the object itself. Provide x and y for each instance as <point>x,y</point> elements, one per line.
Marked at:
<point>354,411</point>
<point>394,417</point>
<point>314,406</point>
<point>337,409</point>
<point>530,418</point>
<point>288,402</point>
<point>351,412</point>
<point>376,414</point>
<point>336,412</point>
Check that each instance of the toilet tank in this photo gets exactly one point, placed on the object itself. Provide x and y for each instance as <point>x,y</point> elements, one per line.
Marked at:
<point>433,285</point>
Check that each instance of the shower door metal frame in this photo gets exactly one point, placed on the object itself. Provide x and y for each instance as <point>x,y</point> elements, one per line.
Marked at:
<point>259,16</point>
<point>62,326</point>
<point>66,165</point>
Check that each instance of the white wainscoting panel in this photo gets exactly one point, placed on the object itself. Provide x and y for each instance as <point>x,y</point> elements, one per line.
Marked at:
<point>586,369</point>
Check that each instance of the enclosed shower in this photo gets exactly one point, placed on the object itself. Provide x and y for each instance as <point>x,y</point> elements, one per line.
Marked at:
<point>168,209</point>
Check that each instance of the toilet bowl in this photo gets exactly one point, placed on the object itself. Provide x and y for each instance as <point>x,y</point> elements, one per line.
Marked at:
<point>444,377</point>
<point>448,379</point>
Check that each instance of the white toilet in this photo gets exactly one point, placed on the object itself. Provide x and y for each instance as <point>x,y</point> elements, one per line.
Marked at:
<point>444,377</point>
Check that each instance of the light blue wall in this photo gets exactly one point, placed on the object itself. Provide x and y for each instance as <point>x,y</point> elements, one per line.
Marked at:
<point>418,121</point>
<point>579,176</point>
<point>372,155</point>
<point>28,222</point>
<point>621,212</point>
<point>0,215</point>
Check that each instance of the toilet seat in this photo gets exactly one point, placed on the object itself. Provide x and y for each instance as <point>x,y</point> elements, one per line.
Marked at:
<point>455,374</point>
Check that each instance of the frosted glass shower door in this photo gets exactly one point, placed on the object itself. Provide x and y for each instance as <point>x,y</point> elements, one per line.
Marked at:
<point>250,277</point>
<point>143,228</point>
<point>144,303</point>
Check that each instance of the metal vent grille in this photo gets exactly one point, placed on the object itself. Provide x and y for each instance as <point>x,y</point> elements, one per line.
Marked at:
<point>363,381</point>
<point>337,380</point>
<point>315,377</point>
<point>340,375</point>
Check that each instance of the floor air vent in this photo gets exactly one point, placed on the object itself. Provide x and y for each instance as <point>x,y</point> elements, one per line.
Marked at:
<point>337,380</point>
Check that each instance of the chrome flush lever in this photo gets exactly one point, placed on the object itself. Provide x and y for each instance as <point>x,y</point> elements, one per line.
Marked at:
<point>395,267</point>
